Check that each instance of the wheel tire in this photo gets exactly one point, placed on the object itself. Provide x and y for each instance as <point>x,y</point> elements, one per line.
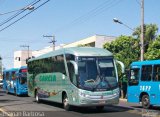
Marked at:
<point>100,108</point>
<point>146,102</point>
<point>7,90</point>
<point>66,105</point>
<point>37,97</point>
<point>15,92</point>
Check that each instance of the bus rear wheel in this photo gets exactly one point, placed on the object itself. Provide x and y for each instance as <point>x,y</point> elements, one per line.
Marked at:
<point>15,92</point>
<point>7,90</point>
<point>66,105</point>
<point>145,102</point>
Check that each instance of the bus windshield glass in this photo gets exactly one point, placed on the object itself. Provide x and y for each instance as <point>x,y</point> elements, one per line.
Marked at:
<point>97,73</point>
<point>23,76</point>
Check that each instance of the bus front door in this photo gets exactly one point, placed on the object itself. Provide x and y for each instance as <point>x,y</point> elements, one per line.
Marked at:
<point>133,86</point>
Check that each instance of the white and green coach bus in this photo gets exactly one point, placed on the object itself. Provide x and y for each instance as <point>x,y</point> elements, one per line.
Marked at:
<point>79,76</point>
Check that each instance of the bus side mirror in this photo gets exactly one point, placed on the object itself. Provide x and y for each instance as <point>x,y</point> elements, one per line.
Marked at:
<point>75,67</point>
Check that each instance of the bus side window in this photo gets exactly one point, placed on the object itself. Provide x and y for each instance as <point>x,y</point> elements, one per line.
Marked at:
<point>156,73</point>
<point>146,73</point>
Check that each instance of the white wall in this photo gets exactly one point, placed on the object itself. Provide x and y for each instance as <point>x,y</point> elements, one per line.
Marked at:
<point>20,58</point>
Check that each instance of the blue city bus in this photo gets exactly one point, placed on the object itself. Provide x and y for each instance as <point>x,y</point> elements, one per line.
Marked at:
<point>144,83</point>
<point>15,80</point>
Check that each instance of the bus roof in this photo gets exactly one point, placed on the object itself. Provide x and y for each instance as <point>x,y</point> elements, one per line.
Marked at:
<point>9,70</point>
<point>78,51</point>
<point>148,62</point>
<point>15,69</point>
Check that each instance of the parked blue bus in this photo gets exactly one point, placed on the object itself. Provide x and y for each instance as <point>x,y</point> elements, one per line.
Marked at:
<point>15,81</point>
<point>144,83</point>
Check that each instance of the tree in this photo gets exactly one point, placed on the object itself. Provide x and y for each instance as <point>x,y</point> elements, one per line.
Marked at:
<point>153,51</point>
<point>150,31</point>
<point>125,49</point>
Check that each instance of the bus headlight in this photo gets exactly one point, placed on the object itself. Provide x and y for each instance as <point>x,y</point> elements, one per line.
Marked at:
<point>116,93</point>
<point>82,94</point>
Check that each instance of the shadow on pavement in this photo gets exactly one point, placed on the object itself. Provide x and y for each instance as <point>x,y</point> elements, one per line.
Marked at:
<point>90,110</point>
<point>6,100</point>
<point>151,108</point>
<point>58,105</point>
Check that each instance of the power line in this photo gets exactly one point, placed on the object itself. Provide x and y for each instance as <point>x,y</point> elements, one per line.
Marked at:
<point>12,11</point>
<point>102,10</point>
<point>53,41</point>
<point>18,13</point>
<point>85,15</point>
<point>24,16</point>
<point>94,12</point>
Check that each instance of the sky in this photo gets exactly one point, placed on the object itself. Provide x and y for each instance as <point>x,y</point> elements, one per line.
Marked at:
<point>68,21</point>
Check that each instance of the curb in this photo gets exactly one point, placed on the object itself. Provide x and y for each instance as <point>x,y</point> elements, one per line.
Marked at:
<point>123,99</point>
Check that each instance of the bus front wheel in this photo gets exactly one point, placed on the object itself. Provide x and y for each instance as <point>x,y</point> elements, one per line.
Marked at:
<point>66,105</point>
<point>145,101</point>
<point>37,97</point>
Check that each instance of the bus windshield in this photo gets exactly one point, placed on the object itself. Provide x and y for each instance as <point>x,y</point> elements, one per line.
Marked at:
<point>23,76</point>
<point>97,73</point>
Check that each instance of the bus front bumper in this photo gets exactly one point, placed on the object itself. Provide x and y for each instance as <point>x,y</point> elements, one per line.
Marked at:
<point>99,100</point>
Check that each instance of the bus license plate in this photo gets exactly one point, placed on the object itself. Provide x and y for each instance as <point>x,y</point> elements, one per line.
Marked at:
<point>102,102</point>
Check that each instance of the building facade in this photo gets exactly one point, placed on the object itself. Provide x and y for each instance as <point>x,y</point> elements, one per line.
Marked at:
<point>20,58</point>
<point>93,41</point>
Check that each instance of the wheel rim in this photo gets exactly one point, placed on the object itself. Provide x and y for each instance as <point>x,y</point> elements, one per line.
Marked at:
<point>65,102</point>
<point>15,92</point>
<point>37,98</point>
<point>6,90</point>
<point>146,101</point>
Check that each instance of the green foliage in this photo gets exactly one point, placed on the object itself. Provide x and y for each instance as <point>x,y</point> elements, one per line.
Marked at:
<point>150,31</point>
<point>125,49</point>
<point>153,51</point>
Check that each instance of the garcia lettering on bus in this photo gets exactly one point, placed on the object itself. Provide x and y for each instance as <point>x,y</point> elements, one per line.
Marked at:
<point>47,78</point>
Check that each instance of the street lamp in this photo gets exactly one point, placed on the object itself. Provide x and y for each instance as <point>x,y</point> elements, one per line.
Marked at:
<point>142,36</point>
<point>119,22</point>
<point>28,8</point>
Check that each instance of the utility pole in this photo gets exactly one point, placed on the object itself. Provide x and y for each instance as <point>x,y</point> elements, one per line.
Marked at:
<point>142,30</point>
<point>52,40</point>
<point>27,49</point>
<point>1,68</point>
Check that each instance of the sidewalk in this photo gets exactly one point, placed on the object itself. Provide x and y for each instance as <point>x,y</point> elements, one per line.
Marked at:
<point>123,99</point>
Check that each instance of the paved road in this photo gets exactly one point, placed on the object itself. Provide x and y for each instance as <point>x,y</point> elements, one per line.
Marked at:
<point>26,106</point>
